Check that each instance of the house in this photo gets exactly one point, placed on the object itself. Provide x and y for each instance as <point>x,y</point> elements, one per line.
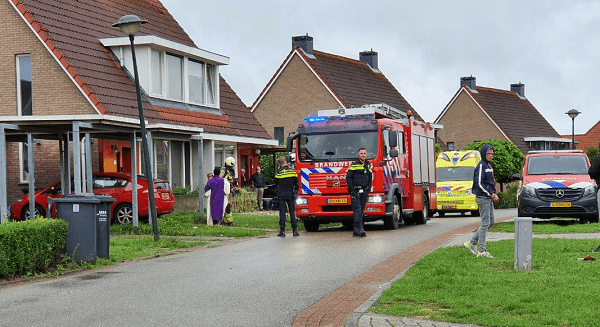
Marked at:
<point>69,97</point>
<point>590,138</point>
<point>309,80</point>
<point>477,113</point>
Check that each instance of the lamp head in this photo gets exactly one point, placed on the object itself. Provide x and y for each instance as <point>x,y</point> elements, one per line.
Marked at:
<point>129,24</point>
<point>572,113</point>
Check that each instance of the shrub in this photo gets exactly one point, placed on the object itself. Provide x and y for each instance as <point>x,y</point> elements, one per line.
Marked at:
<point>508,198</point>
<point>243,201</point>
<point>31,246</point>
<point>180,191</point>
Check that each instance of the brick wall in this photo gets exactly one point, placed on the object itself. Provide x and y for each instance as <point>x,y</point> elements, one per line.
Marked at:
<point>464,122</point>
<point>294,95</point>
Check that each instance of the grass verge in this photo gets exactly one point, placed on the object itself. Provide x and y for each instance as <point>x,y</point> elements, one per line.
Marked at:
<point>452,285</point>
<point>551,226</point>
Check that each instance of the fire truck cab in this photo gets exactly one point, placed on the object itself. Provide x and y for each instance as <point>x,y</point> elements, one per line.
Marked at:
<point>400,149</point>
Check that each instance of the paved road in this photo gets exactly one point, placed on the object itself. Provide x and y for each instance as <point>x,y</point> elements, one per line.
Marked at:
<point>256,282</point>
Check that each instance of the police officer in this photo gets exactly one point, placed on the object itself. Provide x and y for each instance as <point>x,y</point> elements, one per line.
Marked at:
<point>287,188</point>
<point>358,178</point>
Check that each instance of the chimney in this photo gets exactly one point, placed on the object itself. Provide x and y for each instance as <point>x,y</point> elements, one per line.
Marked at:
<point>305,42</point>
<point>519,88</point>
<point>469,82</point>
<point>370,57</point>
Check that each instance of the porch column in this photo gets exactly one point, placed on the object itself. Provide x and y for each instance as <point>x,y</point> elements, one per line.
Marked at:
<point>201,172</point>
<point>31,175</point>
<point>3,196</point>
<point>88,163</point>
<point>134,194</point>
<point>76,158</point>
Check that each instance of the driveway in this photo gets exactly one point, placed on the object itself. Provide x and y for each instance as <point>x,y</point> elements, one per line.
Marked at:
<point>256,282</point>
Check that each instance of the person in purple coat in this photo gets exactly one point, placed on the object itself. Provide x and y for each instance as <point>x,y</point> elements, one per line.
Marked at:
<point>217,196</point>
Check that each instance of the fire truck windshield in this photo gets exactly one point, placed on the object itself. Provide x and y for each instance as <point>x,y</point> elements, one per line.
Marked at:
<point>336,147</point>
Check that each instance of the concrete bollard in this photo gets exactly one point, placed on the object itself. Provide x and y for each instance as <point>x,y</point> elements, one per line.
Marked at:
<point>523,247</point>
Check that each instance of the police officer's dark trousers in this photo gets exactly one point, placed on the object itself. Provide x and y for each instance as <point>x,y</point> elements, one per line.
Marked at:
<point>359,202</point>
<point>287,200</point>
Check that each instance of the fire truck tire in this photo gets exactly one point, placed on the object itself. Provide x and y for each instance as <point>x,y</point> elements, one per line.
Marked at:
<point>311,226</point>
<point>392,222</point>
<point>421,217</point>
<point>348,224</point>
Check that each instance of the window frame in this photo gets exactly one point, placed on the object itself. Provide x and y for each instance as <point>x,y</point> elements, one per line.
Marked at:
<point>23,178</point>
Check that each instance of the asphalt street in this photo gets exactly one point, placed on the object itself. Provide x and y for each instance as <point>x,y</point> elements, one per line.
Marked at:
<point>256,282</point>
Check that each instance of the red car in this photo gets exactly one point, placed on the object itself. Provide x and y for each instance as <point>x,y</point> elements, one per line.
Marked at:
<point>117,185</point>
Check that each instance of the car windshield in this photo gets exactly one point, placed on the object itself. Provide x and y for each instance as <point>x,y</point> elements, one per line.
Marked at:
<point>337,147</point>
<point>455,174</point>
<point>557,165</point>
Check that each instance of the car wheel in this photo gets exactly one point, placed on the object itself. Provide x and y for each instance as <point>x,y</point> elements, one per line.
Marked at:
<point>392,222</point>
<point>123,214</point>
<point>311,226</point>
<point>39,211</point>
<point>593,218</point>
<point>421,217</point>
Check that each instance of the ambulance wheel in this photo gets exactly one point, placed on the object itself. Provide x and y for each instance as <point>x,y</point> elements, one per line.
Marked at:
<point>392,222</point>
<point>311,226</point>
<point>421,217</point>
<point>441,213</point>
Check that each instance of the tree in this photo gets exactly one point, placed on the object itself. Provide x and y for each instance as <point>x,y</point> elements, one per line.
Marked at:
<point>591,152</point>
<point>508,159</point>
<point>265,161</point>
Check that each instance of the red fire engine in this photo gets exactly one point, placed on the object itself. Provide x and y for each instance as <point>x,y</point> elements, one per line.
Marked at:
<point>400,148</point>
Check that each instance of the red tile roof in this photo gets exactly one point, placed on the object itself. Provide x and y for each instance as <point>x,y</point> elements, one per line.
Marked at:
<point>351,81</point>
<point>72,29</point>
<point>515,116</point>
<point>590,138</point>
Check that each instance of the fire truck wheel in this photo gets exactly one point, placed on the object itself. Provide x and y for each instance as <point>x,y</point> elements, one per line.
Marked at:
<point>348,224</point>
<point>311,226</point>
<point>421,217</point>
<point>392,222</point>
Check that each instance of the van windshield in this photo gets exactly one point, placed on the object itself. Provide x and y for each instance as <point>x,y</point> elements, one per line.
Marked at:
<point>336,147</point>
<point>557,165</point>
<point>447,174</point>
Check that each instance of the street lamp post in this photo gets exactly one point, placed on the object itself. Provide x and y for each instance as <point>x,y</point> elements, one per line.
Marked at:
<point>573,113</point>
<point>130,25</point>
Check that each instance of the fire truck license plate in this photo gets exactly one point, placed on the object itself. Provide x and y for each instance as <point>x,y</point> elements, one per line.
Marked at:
<point>337,201</point>
<point>560,204</point>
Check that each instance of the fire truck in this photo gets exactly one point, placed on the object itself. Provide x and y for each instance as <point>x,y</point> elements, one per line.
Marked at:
<point>400,149</point>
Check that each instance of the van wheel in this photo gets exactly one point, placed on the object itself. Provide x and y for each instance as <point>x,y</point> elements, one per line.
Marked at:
<point>421,217</point>
<point>392,222</point>
<point>311,226</point>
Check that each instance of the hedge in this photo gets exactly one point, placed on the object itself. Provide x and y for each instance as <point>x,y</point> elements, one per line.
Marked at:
<point>31,246</point>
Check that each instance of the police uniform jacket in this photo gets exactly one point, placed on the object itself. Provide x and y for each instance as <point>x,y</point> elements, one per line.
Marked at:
<point>286,180</point>
<point>359,174</point>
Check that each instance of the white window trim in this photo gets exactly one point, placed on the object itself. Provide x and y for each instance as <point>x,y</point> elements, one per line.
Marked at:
<point>22,178</point>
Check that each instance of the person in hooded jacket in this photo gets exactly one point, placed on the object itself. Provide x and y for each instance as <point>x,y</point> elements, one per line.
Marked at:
<point>484,189</point>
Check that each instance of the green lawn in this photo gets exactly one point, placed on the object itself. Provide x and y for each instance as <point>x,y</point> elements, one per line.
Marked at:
<point>551,226</point>
<point>452,285</point>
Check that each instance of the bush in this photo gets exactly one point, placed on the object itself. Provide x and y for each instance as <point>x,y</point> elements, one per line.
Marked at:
<point>243,201</point>
<point>180,191</point>
<point>508,198</point>
<point>31,246</point>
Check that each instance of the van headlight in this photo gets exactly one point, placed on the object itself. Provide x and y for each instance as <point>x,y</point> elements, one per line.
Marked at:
<point>590,190</point>
<point>528,190</point>
<point>301,201</point>
<point>377,198</point>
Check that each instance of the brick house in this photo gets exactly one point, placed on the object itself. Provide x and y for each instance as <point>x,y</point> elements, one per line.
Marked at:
<point>477,113</point>
<point>67,75</point>
<point>590,138</point>
<point>309,80</point>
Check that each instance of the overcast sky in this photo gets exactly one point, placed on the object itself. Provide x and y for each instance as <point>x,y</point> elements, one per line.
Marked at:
<point>553,47</point>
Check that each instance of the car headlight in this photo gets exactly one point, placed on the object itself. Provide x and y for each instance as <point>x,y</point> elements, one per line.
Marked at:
<point>589,190</point>
<point>301,201</point>
<point>528,190</point>
<point>377,198</point>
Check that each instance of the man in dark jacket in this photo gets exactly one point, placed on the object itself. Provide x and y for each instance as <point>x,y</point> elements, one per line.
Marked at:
<point>484,188</point>
<point>287,189</point>
<point>594,173</point>
<point>359,178</point>
<point>258,182</point>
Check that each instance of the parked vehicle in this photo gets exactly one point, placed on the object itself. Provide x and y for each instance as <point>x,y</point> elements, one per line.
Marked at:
<point>556,184</point>
<point>400,148</point>
<point>455,182</point>
<point>117,185</point>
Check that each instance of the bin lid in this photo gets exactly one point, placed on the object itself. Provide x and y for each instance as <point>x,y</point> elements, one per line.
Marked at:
<point>78,198</point>
<point>105,198</point>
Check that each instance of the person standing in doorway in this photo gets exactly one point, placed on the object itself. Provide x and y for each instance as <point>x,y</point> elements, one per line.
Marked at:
<point>359,178</point>
<point>258,183</point>
<point>287,188</point>
<point>484,188</point>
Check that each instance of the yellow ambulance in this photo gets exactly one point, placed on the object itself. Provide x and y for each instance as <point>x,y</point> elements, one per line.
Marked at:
<point>455,181</point>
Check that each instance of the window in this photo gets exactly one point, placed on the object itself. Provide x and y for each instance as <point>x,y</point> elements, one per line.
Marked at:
<point>195,81</point>
<point>450,146</point>
<point>156,73</point>
<point>174,77</point>
<point>178,78</point>
<point>162,159</point>
<point>24,106</point>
